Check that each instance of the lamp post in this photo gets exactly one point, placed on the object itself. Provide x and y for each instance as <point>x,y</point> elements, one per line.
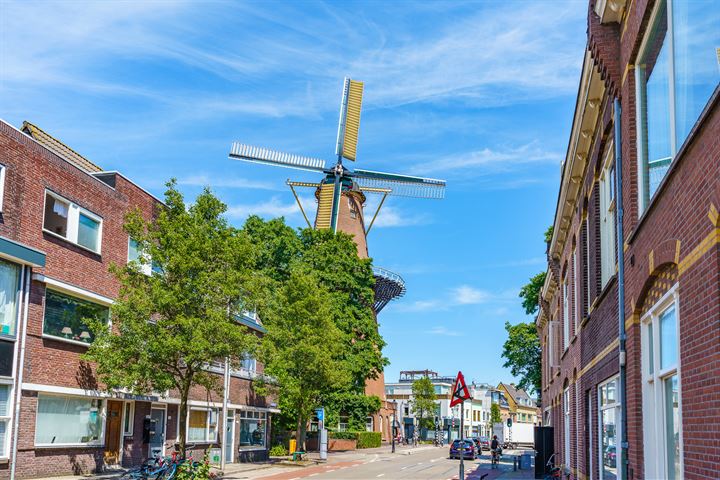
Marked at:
<point>392,429</point>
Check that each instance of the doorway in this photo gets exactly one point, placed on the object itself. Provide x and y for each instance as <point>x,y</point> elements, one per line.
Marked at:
<point>229,440</point>
<point>113,434</point>
<point>157,439</point>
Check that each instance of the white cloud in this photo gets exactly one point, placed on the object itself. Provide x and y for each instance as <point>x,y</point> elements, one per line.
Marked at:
<point>419,306</point>
<point>270,208</point>
<point>226,182</point>
<point>467,295</point>
<point>443,331</point>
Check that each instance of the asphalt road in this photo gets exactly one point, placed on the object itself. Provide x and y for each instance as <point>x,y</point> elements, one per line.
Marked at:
<point>422,465</point>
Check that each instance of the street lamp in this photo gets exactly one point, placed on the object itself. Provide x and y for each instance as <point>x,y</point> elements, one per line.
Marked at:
<point>392,430</point>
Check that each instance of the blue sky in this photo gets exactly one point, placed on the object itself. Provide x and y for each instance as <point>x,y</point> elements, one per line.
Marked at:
<point>478,93</point>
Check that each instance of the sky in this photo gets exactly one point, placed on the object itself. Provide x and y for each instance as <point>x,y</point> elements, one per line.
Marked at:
<point>480,94</point>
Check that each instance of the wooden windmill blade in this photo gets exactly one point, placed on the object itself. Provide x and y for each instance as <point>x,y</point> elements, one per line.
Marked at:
<point>349,124</point>
<point>249,153</point>
<point>399,185</point>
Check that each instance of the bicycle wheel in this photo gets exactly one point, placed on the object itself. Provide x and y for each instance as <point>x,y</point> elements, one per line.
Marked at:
<point>168,473</point>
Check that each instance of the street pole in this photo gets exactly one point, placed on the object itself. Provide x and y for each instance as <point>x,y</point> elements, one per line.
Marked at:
<point>462,440</point>
<point>392,427</point>
<point>226,392</point>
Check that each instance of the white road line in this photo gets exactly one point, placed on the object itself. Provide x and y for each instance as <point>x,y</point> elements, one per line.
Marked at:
<point>381,475</point>
<point>313,474</point>
<point>403,468</point>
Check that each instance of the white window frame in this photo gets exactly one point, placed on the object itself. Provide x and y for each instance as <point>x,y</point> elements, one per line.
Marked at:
<point>102,412</point>
<point>3,168</point>
<point>616,405</point>
<point>607,217</point>
<point>566,312</point>
<point>654,428</point>
<point>128,415</point>
<point>587,263</point>
<point>566,428</point>
<point>8,418</point>
<point>73,222</point>
<point>207,411</point>
<point>69,293</point>
<point>576,309</point>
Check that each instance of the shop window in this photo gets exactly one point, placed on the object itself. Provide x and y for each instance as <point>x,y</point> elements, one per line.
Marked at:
<point>676,74</point>
<point>9,286</point>
<point>202,425</point>
<point>65,316</point>
<point>62,420</point>
<point>253,426</point>
<point>71,222</point>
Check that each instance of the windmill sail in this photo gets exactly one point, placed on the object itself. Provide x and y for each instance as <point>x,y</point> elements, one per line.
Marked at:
<point>240,151</point>
<point>349,126</point>
<point>400,185</point>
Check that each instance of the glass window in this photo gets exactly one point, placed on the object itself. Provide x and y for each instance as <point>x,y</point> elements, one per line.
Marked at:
<point>252,429</point>
<point>249,363</point>
<point>202,425</point>
<point>129,418</point>
<point>9,285</point>
<point>566,415</point>
<point>134,256</point>
<point>7,354</point>
<point>607,218</point>
<point>64,316</point>
<point>609,430</point>
<point>68,420</point>
<point>5,413</point>
<point>2,185</point>
<point>566,314</point>
<point>56,215</point>
<point>678,60</point>
<point>672,428</point>
<point>369,424</point>
<point>668,338</point>
<point>88,232</point>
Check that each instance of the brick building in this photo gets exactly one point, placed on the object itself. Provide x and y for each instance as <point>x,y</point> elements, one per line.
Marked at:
<point>647,108</point>
<point>60,230</point>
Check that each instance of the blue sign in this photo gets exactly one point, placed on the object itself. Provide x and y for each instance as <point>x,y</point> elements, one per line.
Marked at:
<point>320,413</point>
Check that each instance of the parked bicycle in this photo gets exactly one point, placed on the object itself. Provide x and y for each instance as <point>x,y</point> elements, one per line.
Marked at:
<point>554,472</point>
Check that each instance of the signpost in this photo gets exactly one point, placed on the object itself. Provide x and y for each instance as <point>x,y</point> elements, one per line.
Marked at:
<point>460,393</point>
<point>322,433</point>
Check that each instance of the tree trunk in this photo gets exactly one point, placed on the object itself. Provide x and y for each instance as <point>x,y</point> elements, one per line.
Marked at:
<point>182,440</point>
<point>300,443</point>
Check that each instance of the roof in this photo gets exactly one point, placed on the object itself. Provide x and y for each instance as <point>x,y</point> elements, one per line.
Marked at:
<point>516,393</point>
<point>59,148</point>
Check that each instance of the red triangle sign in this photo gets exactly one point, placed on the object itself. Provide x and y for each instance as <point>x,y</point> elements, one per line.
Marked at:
<point>460,391</point>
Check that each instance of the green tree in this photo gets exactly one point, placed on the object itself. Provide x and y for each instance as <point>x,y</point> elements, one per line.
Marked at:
<point>423,403</point>
<point>523,355</point>
<point>495,415</point>
<point>530,293</point>
<point>169,325</point>
<point>301,349</point>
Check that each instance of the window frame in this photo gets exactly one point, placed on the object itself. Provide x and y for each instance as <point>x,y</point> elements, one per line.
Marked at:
<point>71,295</point>
<point>607,216</point>
<point>653,382</point>
<point>8,418</point>
<point>617,406</point>
<point>576,308</point>
<point>565,312</point>
<point>102,412</point>
<point>128,419</point>
<point>3,169</point>
<point>18,301</point>
<point>73,222</point>
<point>566,427</point>
<point>208,411</point>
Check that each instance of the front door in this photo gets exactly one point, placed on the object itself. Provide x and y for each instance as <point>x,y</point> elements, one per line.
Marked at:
<point>112,432</point>
<point>230,437</point>
<point>157,439</point>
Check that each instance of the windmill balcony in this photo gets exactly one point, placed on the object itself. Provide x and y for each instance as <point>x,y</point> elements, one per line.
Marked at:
<point>388,286</point>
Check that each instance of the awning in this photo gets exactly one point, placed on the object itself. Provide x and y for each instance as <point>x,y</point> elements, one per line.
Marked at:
<point>18,252</point>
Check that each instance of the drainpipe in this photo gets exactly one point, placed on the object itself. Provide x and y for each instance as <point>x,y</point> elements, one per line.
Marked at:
<point>22,332</point>
<point>621,288</point>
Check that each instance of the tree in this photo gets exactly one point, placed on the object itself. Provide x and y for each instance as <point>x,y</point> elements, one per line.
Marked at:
<point>169,325</point>
<point>523,355</point>
<point>423,403</point>
<point>495,415</point>
<point>301,349</point>
<point>530,293</point>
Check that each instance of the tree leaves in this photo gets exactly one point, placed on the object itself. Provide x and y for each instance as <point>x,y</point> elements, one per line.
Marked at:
<point>522,353</point>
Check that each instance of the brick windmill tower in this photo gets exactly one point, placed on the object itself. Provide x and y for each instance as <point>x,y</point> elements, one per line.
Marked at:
<point>341,196</point>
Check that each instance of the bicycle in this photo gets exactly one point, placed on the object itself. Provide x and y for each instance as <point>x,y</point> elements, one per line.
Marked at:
<point>495,457</point>
<point>555,472</point>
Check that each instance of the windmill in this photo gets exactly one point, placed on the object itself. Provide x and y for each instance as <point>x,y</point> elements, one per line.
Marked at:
<point>339,183</point>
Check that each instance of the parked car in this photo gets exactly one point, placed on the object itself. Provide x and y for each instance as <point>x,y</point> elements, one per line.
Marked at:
<point>464,448</point>
<point>484,443</point>
<point>478,447</point>
<point>610,456</point>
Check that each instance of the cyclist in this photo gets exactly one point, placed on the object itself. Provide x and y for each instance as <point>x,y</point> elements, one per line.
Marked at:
<point>495,450</point>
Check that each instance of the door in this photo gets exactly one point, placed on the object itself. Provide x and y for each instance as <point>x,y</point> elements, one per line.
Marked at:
<point>113,433</point>
<point>157,439</point>
<point>229,441</point>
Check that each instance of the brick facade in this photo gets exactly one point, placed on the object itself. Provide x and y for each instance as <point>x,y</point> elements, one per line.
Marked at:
<point>53,365</point>
<point>673,243</point>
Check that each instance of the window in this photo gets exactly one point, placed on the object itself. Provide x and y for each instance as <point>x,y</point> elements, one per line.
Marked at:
<point>609,416</point>
<point>68,421</point>
<point>675,76</point>
<point>252,429</point>
<point>661,388</point>
<point>249,363</point>
<point>566,313</point>
<point>343,422</point>
<point>5,415</point>
<point>369,424</point>
<point>128,419</point>
<point>9,286</point>
<point>147,266</point>
<point>71,222</point>
<point>202,425</point>
<point>566,415</point>
<point>586,262</point>
<point>65,315</point>
<point>2,185</point>
<point>576,302</point>
<point>607,217</point>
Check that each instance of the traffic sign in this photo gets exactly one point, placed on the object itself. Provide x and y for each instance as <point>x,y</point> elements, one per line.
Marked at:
<point>460,391</point>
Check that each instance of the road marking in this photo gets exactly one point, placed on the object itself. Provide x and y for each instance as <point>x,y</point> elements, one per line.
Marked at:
<point>403,468</point>
<point>381,475</point>
<point>313,474</point>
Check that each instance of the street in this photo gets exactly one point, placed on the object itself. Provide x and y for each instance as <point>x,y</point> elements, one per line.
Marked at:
<point>425,463</point>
